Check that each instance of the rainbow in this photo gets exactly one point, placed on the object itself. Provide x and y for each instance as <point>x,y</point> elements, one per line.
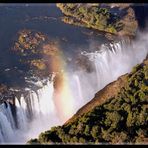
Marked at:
<point>62,97</point>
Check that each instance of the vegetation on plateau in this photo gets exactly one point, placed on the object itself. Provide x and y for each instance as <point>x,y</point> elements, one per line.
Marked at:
<point>122,118</point>
<point>116,20</point>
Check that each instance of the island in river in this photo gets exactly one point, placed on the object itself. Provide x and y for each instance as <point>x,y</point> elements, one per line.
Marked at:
<point>113,18</point>
<point>33,49</point>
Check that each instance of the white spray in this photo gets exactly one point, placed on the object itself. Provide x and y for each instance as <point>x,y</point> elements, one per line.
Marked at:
<point>109,65</point>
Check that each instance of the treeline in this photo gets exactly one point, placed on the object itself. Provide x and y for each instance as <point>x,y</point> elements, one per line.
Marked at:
<point>121,119</point>
<point>98,17</point>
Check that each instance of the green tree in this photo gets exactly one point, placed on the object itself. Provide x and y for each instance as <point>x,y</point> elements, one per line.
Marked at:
<point>87,130</point>
<point>95,131</point>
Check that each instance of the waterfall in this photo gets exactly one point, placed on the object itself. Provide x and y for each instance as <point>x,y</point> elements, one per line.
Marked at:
<point>110,62</point>
<point>6,125</point>
<point>78,84</point>
<point>114,60</point>
<point>39,110</point>
<point>40,107</point>
<point>44,115</point>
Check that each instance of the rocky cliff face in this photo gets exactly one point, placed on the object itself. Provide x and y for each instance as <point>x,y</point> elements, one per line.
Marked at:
<point>109,91</point>
<point>117,114</point>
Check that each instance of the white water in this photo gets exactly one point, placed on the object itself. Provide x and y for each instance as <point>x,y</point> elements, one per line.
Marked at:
<point>40,106</point>
<point>79,88</point>
<point>43,116</point>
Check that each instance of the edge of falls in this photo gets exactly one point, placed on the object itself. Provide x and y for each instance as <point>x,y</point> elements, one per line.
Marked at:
<point>37,111</point>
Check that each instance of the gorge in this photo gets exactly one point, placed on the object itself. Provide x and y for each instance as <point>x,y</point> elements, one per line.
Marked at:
<point>42,107</point>
<point>58,79</point>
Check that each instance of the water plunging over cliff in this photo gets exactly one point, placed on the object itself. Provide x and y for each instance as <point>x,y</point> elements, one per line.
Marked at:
<point>51,106</point>
<point>34,113</point>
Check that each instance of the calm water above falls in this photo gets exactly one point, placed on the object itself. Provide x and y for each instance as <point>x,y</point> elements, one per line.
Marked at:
<point>15,17</point>
<point>39,110</point>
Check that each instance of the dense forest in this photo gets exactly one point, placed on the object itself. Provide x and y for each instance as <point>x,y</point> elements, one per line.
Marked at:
<point>122,118</point>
